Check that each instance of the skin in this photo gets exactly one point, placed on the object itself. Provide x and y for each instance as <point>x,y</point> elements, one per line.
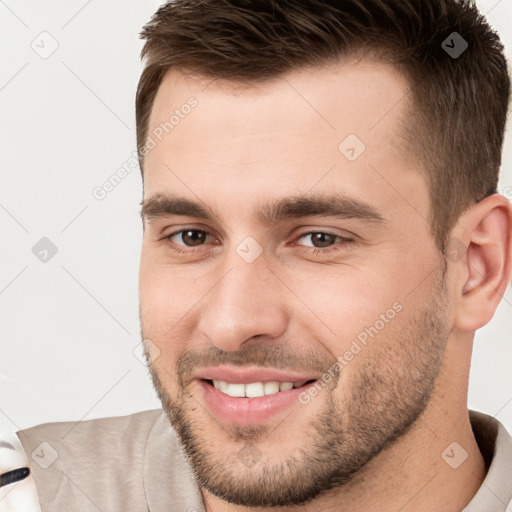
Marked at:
<point>372,439</point>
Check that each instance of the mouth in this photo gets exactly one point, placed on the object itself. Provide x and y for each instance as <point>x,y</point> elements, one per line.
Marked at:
<point>255,389</point>
<point>244,400</point>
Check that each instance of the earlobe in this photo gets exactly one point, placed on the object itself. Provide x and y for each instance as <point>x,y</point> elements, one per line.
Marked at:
<point>486,268</point>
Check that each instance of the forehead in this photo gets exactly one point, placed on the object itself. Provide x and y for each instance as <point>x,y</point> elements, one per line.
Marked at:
<point>335,127</point>
<point>353,95</point>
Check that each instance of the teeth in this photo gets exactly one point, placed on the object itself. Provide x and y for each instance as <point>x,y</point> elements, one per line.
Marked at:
<point>236,390</point>
<point>271,388</point>
<point>255,389</point>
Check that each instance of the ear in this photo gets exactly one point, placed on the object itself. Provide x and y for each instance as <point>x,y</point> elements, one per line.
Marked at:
<point>480,254</point>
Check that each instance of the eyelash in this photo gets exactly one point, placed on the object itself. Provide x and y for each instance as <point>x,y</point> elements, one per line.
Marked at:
<point>312,250</point>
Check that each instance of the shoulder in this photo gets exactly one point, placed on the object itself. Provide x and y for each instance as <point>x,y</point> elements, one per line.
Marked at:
<point>99,461</point>
<point>90,436</point>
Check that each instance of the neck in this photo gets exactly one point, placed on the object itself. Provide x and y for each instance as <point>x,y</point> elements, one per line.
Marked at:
<point>426,469</point>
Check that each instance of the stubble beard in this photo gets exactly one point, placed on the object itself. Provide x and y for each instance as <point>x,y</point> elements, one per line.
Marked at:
<point>340,441</point>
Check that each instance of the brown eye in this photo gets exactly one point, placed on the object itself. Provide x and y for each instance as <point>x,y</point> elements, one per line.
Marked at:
<point>320,239</point>
<point>188,237</point>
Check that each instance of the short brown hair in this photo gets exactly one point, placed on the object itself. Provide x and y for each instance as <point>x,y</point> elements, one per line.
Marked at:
<point>459,104</point>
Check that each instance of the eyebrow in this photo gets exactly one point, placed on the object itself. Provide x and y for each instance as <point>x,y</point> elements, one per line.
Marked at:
<point>329,205</point>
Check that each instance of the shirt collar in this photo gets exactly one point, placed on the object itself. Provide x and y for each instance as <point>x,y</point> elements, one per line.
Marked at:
<point>495,443</point>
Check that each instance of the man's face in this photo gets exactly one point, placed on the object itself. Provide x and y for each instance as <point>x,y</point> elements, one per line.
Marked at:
<point>354,303</point>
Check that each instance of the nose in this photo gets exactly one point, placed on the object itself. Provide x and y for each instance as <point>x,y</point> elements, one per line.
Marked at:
<point>248,301</point>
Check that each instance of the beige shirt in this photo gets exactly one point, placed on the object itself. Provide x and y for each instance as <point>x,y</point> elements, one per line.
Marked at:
<point>135,463</point>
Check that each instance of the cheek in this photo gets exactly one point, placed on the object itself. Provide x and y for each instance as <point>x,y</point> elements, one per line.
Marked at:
<point>343,303</point>
<point>166,311</point>
<point>165,291</point>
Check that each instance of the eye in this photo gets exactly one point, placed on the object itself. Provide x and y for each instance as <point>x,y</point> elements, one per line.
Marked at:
<point>321,241</point>
<point>319,238</point>
<point>189,237</point>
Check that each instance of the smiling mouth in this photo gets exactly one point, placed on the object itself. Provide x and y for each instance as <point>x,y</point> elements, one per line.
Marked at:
<point>255,389</point>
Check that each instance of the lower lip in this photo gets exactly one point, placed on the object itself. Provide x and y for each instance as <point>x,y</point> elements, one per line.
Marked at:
<point>247,411</point>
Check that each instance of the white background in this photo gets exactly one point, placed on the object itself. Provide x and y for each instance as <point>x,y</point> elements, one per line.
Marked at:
<point>69,327</point>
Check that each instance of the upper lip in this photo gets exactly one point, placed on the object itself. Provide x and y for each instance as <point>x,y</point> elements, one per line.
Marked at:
<point>246,375</point>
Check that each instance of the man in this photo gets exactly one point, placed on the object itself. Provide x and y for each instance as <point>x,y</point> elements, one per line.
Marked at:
<point>322,237</point>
